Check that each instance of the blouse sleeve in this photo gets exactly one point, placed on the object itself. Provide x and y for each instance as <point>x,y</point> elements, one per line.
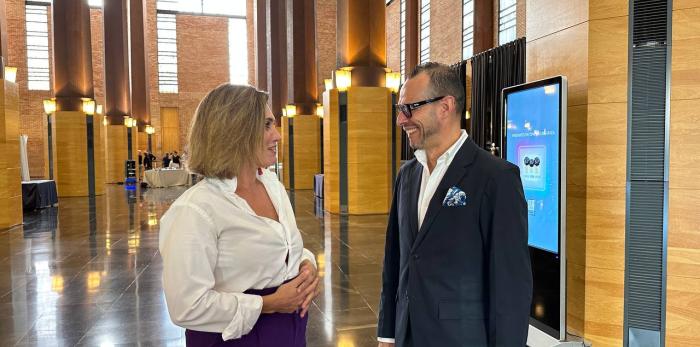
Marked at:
<point>188,246</point>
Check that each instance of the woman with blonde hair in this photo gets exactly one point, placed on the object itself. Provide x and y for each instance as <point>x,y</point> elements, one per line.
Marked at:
<point>235,272</point>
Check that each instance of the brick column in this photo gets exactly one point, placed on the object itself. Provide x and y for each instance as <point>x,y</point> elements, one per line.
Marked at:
<point>140,91</point>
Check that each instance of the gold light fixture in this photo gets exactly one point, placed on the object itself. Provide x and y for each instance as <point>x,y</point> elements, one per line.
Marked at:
<point>319,110</point>
<point>329,83</point>
<point>393,81</point>
<point>98,109</point>
<point>49,106</point>
<point>129,122</point>
<point>88,106</point>
<point>284,112</point>
<point>468,115</point>
<point>11,73</point>
<point>342,79</point>
<point>105,121</point>
<point>291,111</point>
<point>150,130</point>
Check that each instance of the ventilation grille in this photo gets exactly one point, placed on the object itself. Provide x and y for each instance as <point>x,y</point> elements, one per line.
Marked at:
<point>644,283</point>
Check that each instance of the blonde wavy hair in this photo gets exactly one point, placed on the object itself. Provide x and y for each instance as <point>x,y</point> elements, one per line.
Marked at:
<point>227,131</point>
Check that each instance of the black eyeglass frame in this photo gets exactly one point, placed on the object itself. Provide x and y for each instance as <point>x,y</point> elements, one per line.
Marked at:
<point>407,109</point>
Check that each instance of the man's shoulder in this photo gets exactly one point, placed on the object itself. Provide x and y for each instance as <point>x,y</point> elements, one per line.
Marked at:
<point>408,166</point>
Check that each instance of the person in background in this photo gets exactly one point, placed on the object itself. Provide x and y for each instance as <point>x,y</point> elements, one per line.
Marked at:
<point>166,160</point>
<point>235,271</point>
<point>148,161</point>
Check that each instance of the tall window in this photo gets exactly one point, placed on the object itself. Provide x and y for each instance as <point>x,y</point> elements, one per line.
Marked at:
<point>425,31</point>
<point>402,39</point>
<point>467,29</point>
<point>235,10</point>
<point>506,21</point>
<point>37,47</point>
<point>237,50</point>
<point>167,52</point>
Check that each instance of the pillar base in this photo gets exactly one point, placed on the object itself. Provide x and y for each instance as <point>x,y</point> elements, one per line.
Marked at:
<point>10,181</point>
<point>302,133</point>
<point>74,168</point>
<point>358,159</point>
<point>116,152</point>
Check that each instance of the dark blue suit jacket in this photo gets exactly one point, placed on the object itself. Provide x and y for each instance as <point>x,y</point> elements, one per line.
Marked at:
<point>464,278</point>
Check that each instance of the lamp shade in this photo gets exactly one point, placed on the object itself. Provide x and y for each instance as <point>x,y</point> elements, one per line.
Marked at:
<point>98,109</point>
<point>150,130</point>
<point>319,110</point>
<point>89,106</point>
<point>342,79</point>
<point>11,73</point>
<point>393,81</point>
<point>127,121</point>
<point>329,83</point>
<point>291,111</point>
<point>49,106</point>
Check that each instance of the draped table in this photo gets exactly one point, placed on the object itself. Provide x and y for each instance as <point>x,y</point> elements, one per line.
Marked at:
<point>38,194</point>
<point>166,178</point>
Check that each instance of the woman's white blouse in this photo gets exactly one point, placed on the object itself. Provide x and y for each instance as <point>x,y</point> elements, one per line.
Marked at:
<point>214,247</point>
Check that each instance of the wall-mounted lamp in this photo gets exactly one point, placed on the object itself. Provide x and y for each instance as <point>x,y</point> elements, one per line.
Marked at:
<point>393,81</point>
<point>88,106</point>
<point>105,121</point>
<point>319,110</point>
<point>468,115</point>
<point>49,106</point>
<point>284,112</point>
<point>11,73</point>
<point>342,79</point>
<point>150,130</point>
<point>329,83</point>
<point>291,111</point>
<point>98,109</point>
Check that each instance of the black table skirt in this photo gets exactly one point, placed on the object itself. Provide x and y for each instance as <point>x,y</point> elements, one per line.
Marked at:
<point>39,194</point>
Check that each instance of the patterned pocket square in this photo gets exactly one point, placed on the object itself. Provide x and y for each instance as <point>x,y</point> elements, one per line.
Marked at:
<point>455,197</point>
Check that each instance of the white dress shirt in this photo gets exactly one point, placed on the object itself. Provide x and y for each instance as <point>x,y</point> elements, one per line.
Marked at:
<point>430,181</point>
<point>214,247</point>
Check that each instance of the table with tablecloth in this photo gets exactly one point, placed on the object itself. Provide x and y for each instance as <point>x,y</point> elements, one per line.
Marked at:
<point>39,194</point>
<point>166,178</point>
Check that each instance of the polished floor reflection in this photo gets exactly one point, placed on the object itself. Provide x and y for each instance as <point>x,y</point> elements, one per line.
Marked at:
<point>88,273</point>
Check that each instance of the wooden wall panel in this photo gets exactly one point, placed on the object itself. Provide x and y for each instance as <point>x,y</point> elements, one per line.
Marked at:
<point>607,143</point>
<point>170,129</point>
<point>115,153</point>
<point>70,153</point>
<point>682,314</point>
<point>285,151</point>
<point>604,306</point>
<point>561,53</point>
<point>331,154</point>
<point>605,228</point>
<point>683,280</point>
<point>607,60</point>
<point>369,150</point>
<point>684,151</point>
<point>99,155</point>
<point>546,17</point>
<point>601,9</point>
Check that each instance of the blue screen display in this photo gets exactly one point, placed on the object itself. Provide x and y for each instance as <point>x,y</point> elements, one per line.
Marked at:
<point>532,143</point>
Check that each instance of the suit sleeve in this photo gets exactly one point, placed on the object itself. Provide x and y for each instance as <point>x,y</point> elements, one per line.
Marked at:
<point>390,275</point>
<point>510,275</point>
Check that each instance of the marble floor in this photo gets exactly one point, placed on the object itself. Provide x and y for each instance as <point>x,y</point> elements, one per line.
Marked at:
<point>88,273</point>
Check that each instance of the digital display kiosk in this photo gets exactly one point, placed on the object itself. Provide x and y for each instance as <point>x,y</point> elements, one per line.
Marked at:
<point>534,120</point>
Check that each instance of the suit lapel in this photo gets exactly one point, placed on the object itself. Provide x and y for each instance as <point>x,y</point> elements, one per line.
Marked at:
<point>414,182</point>
<point>458,170</point>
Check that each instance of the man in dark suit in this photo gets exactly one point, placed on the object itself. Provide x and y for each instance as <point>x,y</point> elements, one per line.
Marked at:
<point>456,265</point>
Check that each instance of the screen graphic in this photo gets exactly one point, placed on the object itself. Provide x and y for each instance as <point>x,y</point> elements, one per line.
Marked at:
<point>532,143</point>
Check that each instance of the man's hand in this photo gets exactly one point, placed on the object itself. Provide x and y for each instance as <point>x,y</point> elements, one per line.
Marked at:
<point>385,344</point>
<point>311,281</point>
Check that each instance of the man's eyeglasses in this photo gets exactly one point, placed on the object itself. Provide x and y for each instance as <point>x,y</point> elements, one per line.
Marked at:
<point>406,109</point>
